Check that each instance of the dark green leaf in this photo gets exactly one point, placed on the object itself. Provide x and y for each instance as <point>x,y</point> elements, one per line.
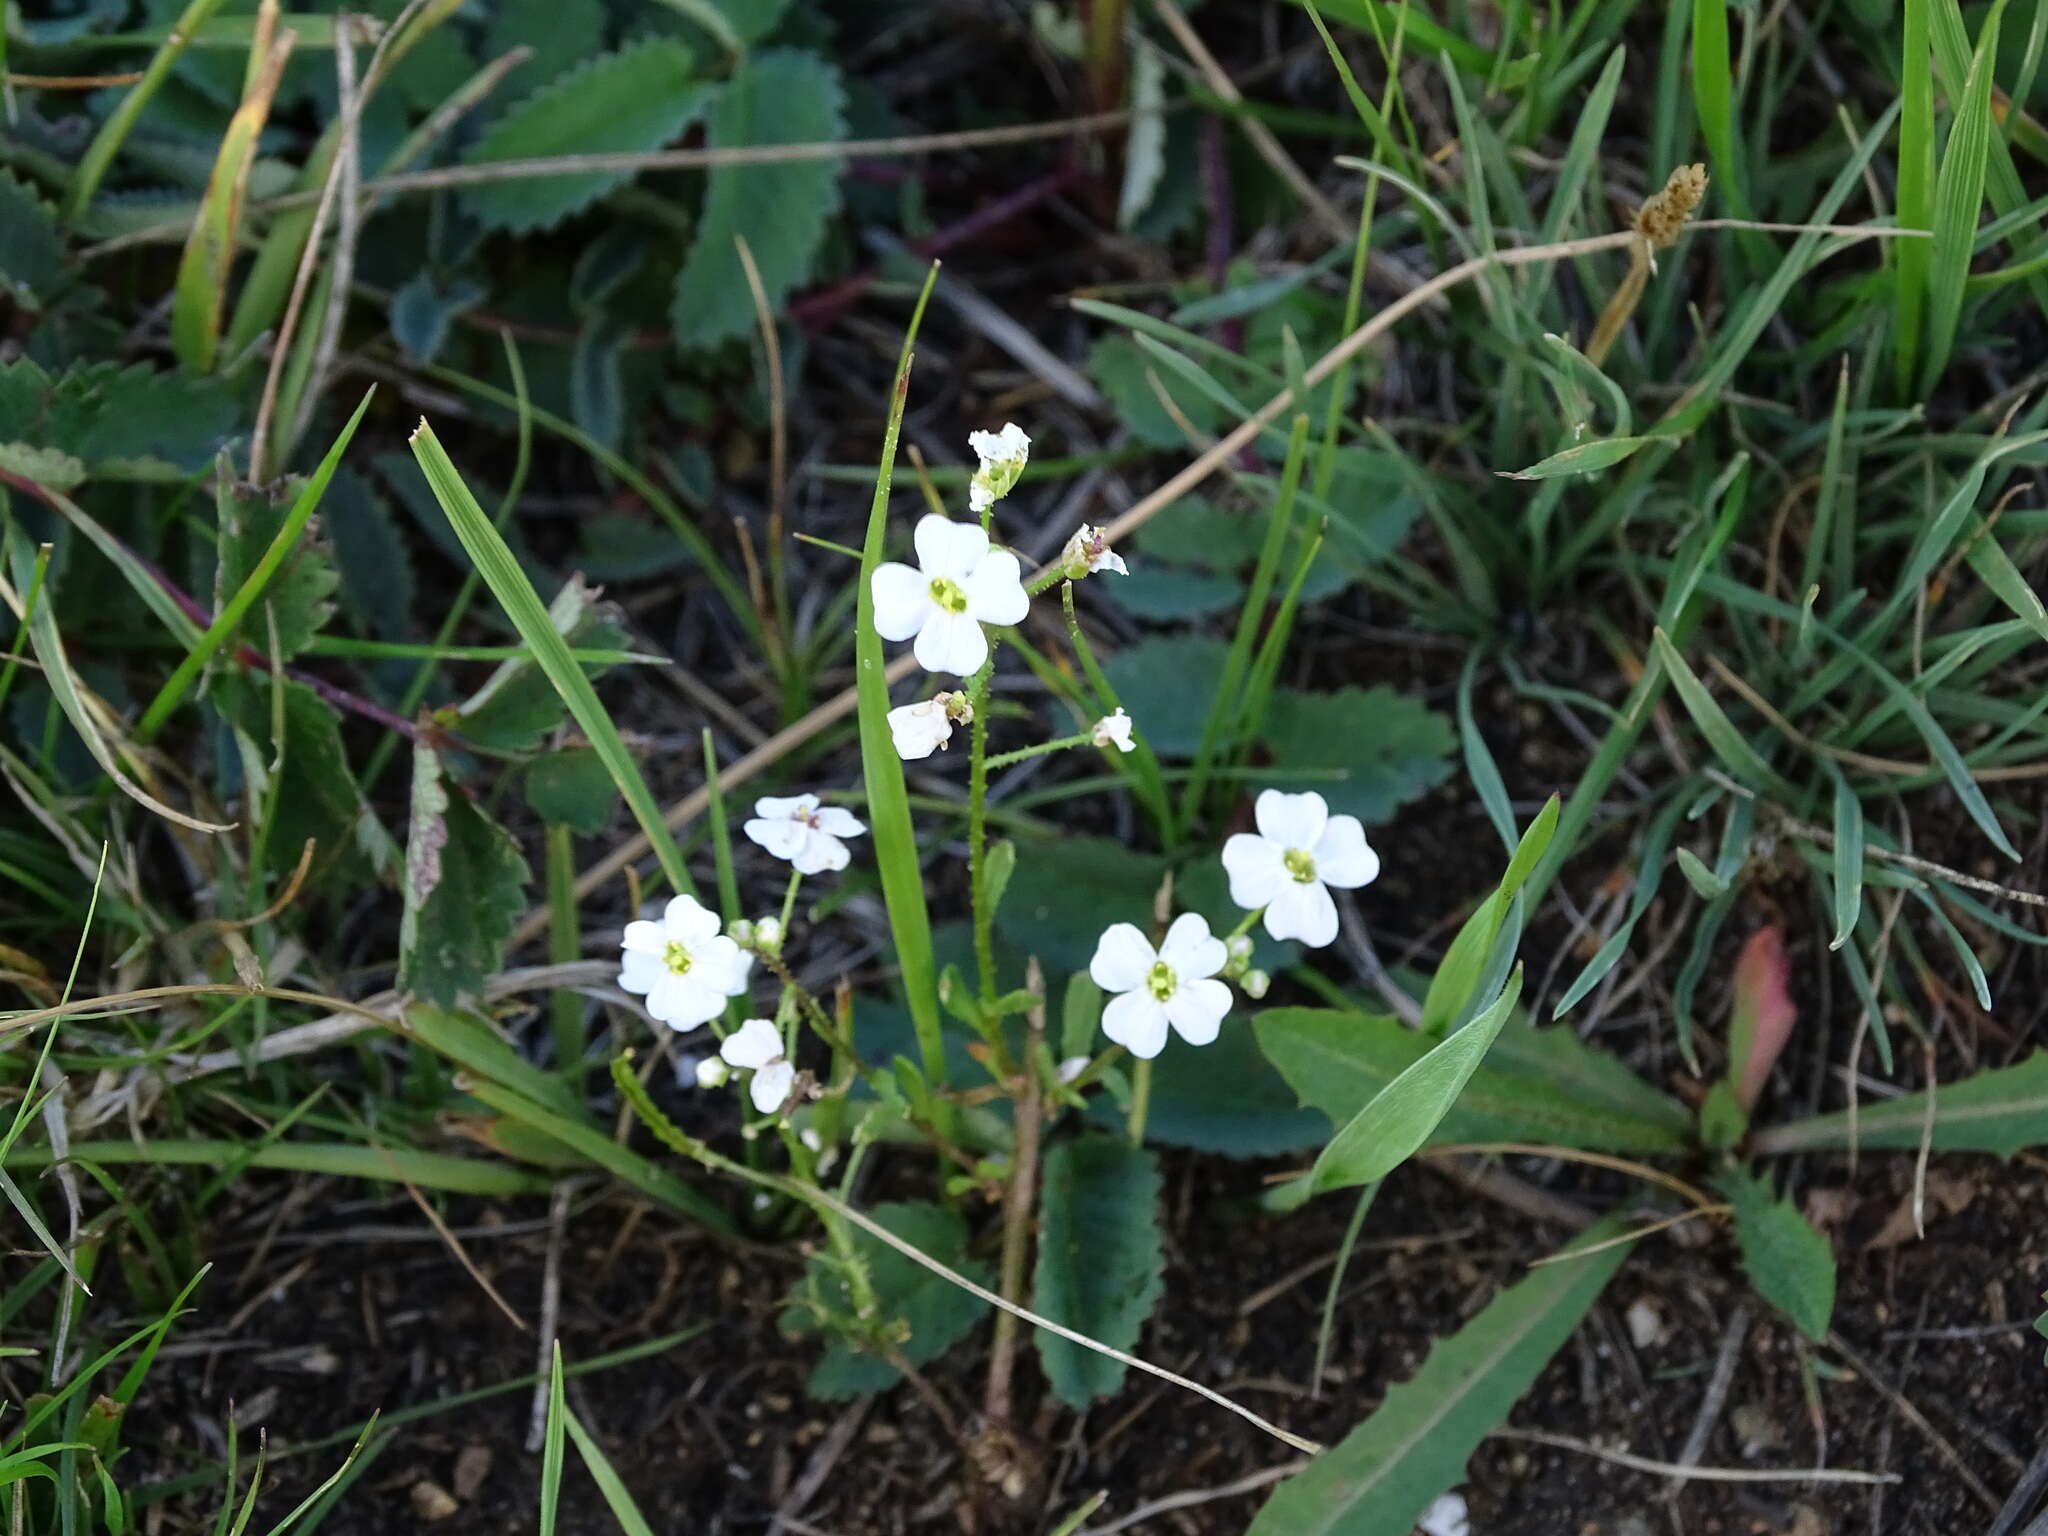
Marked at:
<point>1788,1262</point>
<point>424,308</point>
<point>1174,678</point>
<point>371,558</point>
<point>631,101</point>
<point>778,96</point>
<point>1225,1097</point>
<point>1391,748</point>
<point>1099,1260</point>
<point>31,252</point>
<point>1125,373</point>
<point>572,788</point>
<point>548,27</point>
<point>298,600</point>
<point>1065,892</point>
<point>1383,1474</point>
<point>2002,1111</point>
<point>463,889</point>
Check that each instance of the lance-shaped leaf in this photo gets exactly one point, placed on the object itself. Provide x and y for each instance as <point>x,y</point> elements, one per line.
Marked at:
<point>1788,1262</point>
<point>2003,1111</point>
<point>1099,1260</point>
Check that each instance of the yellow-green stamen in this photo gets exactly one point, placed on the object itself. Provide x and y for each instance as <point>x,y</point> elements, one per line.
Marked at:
<point>1300,864</point>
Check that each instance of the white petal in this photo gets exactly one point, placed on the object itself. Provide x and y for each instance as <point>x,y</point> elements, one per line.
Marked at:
<point>721,965</point>
<point>839,822</point>
<point>644,937</point>
<point>821,853</point>
<point>1191,950</point>
<point>995,589</point>
<point>688,919</point>
<point>640,972</point>
<point>1343,857</point>
<point>997,447</point>
<point>785,807</point>
<point>754,1044</point>
<point>1112,561</point>
<point>684,1002</point>
<point>1447,1516</point>
<point>946,548</point>
<point>919,729</point>
<point>742,968</point>
<point>951,642</point>
<point>1137,1022</point>
<point>1303,911</point>
<point>780,836</point>
<point>903,600</point>
<point>1122,957</point>
<point>1256,873</point>
<point>1196,1010</point>
<point>1292,821</point>
<point>770,1087</point>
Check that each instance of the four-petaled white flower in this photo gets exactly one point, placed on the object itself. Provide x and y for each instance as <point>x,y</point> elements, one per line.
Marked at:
<point>804,831</point>
<point>683,964</point>
<point>1113,731</point>
<point>1002,456</point>
<point>756,1046</point>
<point>925,727</point>
<point>1298,852</point>
<point>1088,551</point>
<point>958,585</point>
<point>1170,985</point>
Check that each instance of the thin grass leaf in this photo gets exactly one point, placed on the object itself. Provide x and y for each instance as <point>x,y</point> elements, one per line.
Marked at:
<point>1729,744</point>
<point>551,1448</point>
<point>888,800</point>
<point>1713,91</point>
<point>1649,875</point>
<point>1479,764</point>
<point>352,1466</point>
<point>1848,870</point>
<point>609,1484</point>
<point>1959,200</point>
<point>106,144</point>
<point>1980,984</point>
<point>1989,560</point>
<point>396,1165</point>
<point>500,570</point>
<point>1915,197</point>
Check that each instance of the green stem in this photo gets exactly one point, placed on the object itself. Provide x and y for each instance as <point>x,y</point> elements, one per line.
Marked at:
<point>977,830</point>
<point>1059,744</point>
<point>721,836</point>
<point>796,878</point>
<point>1141,1100</point>
<point>564,944</point>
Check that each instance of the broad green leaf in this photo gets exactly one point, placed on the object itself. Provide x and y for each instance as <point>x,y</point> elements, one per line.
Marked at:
<point>1391,748</point>
<point>1224,1098</point>
<point>1100,1262</point>
<point>1382,1475</point>
<point>1788,1262</point>
<point>1581,459</point>
<point>31,252</point>
<point>1126,374</point>
<point>1455,986</point>
<point>1176,677</point>
<point>296,601</point>
<point>463,886</point>
<point>540,25</point>
<point>935,1313</point>
<point>1537,1085</point>
<point>423,309</point>
<point>1145,143</point>
<point>1402,1116</point>
<point>571,788</point>
<point>2002,1111</point>
<point>778,96</point>
<point>628,102</point>
<point>51,468</point>
<point>137,423</point>
<point>371,557</point>
<point>1067,890</point>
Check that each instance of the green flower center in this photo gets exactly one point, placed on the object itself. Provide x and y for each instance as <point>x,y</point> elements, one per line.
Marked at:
<point>947,594</point>
<point>676,958</point>
<point>1300,863</point>
<point>1160,981</point>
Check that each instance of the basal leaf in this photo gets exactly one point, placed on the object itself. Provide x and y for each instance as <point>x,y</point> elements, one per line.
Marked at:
<point>1176,676</point>
<point>373,561</point>
<point>1224,1098</point>
<point>1390,748</point>
<point>1338,1062</point>
<point>1125,373</point>
<point>543,26</point>
<point>31,252</point>
<point>2002,1111</point>
<point>1788,1262</point>
<point>935,1313</point>
<point>1099,1260</point>
<point>1066,891</point>
<point>572,788</point>
<point>777,96</point>
<point>631,101</point>
<point>1403,1115</point>
<point>298,599</point>
<point>424,308</point>
<point>463,886</point>
<point>1382,1475</point>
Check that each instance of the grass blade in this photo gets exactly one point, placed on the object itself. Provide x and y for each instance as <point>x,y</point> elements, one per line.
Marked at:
<point>99,155</point>
<point>608,1481</point>
<point>1848,859</point>
<point>500,570</point>
<point>551,1449</point>
<point>1959,199</point>
<point>1916,189</point>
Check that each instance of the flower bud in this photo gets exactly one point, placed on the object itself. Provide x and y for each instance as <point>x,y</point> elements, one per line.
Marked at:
<point>713,1073</point>
<point>768,935</point>
<point>1239,947</point>
<point>1003,455</point>
<point>1255,984</point>
<point>741,932</point>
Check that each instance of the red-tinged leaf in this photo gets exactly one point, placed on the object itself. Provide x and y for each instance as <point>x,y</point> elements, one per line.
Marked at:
<point>1764,1014</point>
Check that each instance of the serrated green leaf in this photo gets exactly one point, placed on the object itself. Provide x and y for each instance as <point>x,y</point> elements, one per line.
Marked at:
<point>1788,1262</point>
<point>1382,1475</point>
<point>50,467</point>
<point>1100,1260</point>
<point>936,1313</point>
<point>1403,1115</point>
<point>1145,144</point>
<point>463,889</point>
<point>2002,1111</point>
<point>628,102</point>
<point>518,705</point>
<point>325,805</point>
<point>423,309</point>
<point>572,788</point>
<point>298,599</point>
<point>31,251</point>
<point>1391,748</point>
<point>778,96</point>
<point>1339,1062</point>
<point>135,420</point>
<point>1177,677</point>
<point>543,26</point>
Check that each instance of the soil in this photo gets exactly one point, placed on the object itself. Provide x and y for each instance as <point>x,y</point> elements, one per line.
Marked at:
<point>339,1319</point>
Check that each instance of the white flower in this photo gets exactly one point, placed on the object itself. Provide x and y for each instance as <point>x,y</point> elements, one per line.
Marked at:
<point>920,729</point>
<point>683,964</point>
<point>756,1046</point>
<point>1002,456</point>
<point>1170,985</point>
<point>1113,731</point>
<point>959,585</point>
<point>803,831</point>
<point>1298,852</point>
<point>1446,1517</point>
<point>1088,551</point>
<point>713,1073</point>
<point>1071,1068</point>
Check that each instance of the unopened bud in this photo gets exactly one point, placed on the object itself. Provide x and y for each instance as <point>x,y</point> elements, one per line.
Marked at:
<point>768,935</point>
<point>712,1072</point>
<point>1255,984</point>
<point>741,932</point>
<point>1238,946</point>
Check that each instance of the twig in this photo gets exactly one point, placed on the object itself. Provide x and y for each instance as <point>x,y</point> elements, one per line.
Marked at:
<point>820,1466</point>
<point>462,1257</point>
<point>1903,1406</point>
<point>1194,1496</point>
<point>1695,1446</point>
<point>1690,1471</point>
